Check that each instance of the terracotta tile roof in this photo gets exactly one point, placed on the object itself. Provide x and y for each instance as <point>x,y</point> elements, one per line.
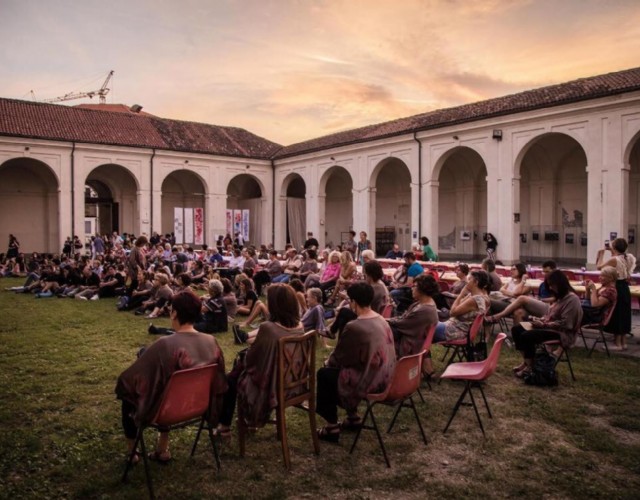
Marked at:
<point>63,123</point>
<point>553,95</point>
<point>116,108</point>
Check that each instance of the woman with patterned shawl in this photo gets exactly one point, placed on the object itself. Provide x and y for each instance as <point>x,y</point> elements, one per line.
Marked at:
<point>362,362</point>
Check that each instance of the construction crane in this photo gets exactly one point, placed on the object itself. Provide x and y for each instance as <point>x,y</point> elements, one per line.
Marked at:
<point>101,93</point>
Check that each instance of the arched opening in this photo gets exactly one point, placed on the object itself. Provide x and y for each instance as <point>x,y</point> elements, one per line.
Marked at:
<point>296,210</point>
<point>392,182</point>
<point>183,204</point>
<point>111,201</point>
<point>338,205</point>
<point>29,207</point>
<point>244,199</point>
<point>634,193</point>
<point>462,205</point>
<point>553,200</point>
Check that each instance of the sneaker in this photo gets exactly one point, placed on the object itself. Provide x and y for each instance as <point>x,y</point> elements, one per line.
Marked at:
<point>80,297</point>
<point>95,297</point>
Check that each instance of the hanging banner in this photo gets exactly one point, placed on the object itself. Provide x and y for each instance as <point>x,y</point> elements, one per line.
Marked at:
<point>237,222</point>
<point>245,224</point>
<point>229,221</point>
<point>178,224</point>
<point>198,225</point>
<point>188,226</point>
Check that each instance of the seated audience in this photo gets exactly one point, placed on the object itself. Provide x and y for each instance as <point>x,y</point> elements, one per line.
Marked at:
<point>373,275</point>
<point>600,301</point>
<point>395,253</point>
<point>560,323</point>
<point>526,305</point>
<point>410,329</point>
<point>494,278</point>
<point>253,378</point>
<point>141,386</point>
<point>362,362</point>
<point>512,289</point>
<point>401,287</point>
<point>473,300</point>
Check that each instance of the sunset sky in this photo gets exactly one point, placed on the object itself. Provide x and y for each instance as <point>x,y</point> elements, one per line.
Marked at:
<point>293,70</point>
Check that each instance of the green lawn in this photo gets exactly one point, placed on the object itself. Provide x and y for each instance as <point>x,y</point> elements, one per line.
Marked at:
<point>59,360</point>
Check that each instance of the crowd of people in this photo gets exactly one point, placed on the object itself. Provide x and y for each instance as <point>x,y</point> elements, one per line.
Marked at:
<point>342,293</point>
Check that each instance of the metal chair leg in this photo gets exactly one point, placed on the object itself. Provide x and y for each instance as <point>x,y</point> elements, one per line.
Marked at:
<point>475,408</point>
<point>455,408</point>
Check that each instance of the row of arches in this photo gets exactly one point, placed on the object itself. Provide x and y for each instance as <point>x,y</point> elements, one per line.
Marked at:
<point>552,198</point>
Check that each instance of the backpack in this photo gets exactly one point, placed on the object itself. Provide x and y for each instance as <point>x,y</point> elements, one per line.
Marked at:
<point>544,371</point>
<point>123,303</point>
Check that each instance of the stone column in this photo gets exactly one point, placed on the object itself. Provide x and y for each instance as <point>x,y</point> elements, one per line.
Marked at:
<point>430,213</point>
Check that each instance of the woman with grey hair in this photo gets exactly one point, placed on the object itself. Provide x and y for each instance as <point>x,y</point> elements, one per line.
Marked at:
<point>213,317</point>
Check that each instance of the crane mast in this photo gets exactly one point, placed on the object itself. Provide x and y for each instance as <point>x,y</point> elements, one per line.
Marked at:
<point>101,93</point>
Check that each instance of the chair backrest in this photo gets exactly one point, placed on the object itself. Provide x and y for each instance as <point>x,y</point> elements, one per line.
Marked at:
<point>431,331</point>
<point>186,396</point>
<point>571,276</point>
<point>406,377</point>
<point>444,286</point>
<point>491,363</point>
<point>387,311</point>
<point>428,340</point>
<point>296,369</point>
<point>607,318</point>
<point>475,327</point>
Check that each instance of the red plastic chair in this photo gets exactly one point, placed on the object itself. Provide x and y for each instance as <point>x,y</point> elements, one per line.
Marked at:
<point>460,346</point>
<point>571,276</point>
<point>404,384</point>
<point>185,401</point>
<point>473,373</point>
<point>444,286</point>
<point>387,311</point>
<point>426,348</point>
<point>600,327</point>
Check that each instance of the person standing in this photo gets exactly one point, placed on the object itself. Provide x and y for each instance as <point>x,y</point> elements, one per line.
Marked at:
<point>14,247</point>
<point>624,263</point>
<point>136,261</point>
<point>363,244</point>
<point>492,245</point>
<point>311,242</point>
<point>350,245</point>
<point>427,252</point>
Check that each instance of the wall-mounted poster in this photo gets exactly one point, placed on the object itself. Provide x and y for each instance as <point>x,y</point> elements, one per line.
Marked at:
<point>583,239</point>
<point>568,238</point>
<point>198,226</point>
<point>229,221</point>
<point>523,237</point>
<point>237,222</point>
<point>632,236</point>
<point>188,225</point>
<point>465,235</point>
<point>535,236</point>
<point>245,224</point>
<point>178,224</point>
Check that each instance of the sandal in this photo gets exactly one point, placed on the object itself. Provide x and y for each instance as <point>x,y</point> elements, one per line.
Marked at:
<point>133,458</point>
<point>329,433</point>
<point>524,372</point>
<point>351,424</point>
<point>222,432</point>
<point>162,457</point>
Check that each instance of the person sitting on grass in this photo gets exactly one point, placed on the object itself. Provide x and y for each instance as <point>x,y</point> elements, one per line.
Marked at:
<point>213,317</point>
<point>249,296</point>
<point>362,363</point>
<point>160,297</point>
<point>141,386</point>
<point>229,298</point>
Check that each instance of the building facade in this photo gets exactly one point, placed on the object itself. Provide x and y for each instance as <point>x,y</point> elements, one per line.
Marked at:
<point>551,172</point>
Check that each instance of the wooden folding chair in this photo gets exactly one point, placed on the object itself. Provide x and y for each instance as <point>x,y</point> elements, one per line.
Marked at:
<point>296,385</point>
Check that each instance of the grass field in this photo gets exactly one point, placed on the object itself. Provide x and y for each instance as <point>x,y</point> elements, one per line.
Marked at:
<point>59,360</point>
